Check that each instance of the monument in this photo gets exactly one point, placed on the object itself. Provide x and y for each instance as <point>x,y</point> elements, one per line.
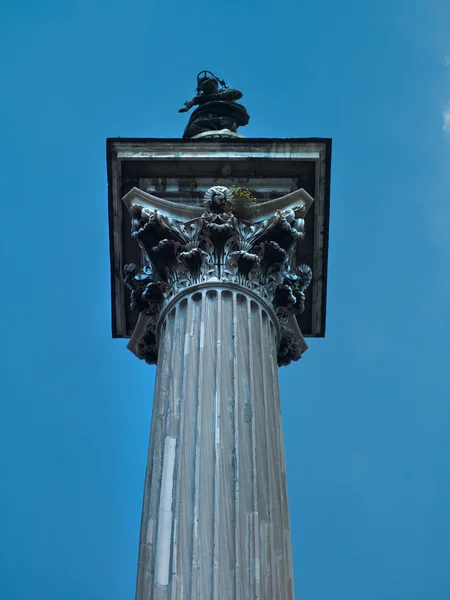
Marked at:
<point>217,108</point>
<point>216,285</point>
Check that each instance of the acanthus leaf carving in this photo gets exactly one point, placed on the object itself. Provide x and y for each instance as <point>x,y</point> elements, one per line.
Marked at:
<point>217,246</point>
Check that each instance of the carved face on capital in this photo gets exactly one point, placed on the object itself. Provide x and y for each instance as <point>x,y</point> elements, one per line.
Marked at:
<point>217,197</point>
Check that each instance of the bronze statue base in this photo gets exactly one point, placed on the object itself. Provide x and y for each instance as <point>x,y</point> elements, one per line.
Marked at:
<point>218,133</point>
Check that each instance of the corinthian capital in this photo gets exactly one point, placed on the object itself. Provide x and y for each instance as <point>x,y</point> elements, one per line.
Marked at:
<point>184,246</point>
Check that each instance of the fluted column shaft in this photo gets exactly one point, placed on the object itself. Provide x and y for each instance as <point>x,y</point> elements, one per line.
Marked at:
<point>215,521</point>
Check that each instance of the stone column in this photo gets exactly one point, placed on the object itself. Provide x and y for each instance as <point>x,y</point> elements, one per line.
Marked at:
<point>217,301</point>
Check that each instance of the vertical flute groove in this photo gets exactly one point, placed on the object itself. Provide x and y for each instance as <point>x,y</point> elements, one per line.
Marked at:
<point>195,540</point>
<point>237,534</point>
<point>185,309</point>
<point>187,445</point>
<point>254,522</point>
<point>166,444</point>
<point>215,573</point>
<point>270,580</point>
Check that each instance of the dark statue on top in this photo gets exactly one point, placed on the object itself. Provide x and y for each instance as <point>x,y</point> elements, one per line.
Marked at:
<point>217,107</point>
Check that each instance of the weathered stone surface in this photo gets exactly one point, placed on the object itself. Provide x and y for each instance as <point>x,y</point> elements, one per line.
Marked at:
<point>218,246</point>
<point>215,520</point>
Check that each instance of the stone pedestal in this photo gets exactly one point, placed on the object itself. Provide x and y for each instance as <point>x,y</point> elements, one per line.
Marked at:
<point>217,303</point>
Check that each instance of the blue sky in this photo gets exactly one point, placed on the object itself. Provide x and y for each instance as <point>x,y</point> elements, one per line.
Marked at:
<point>366,410</point>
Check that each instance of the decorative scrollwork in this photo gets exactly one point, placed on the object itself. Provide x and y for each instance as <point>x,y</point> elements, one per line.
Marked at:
<point>217,198</point>
<point>221,246</point>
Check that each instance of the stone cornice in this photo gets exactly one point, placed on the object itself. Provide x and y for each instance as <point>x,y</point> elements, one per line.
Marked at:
<point>185,246</point>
